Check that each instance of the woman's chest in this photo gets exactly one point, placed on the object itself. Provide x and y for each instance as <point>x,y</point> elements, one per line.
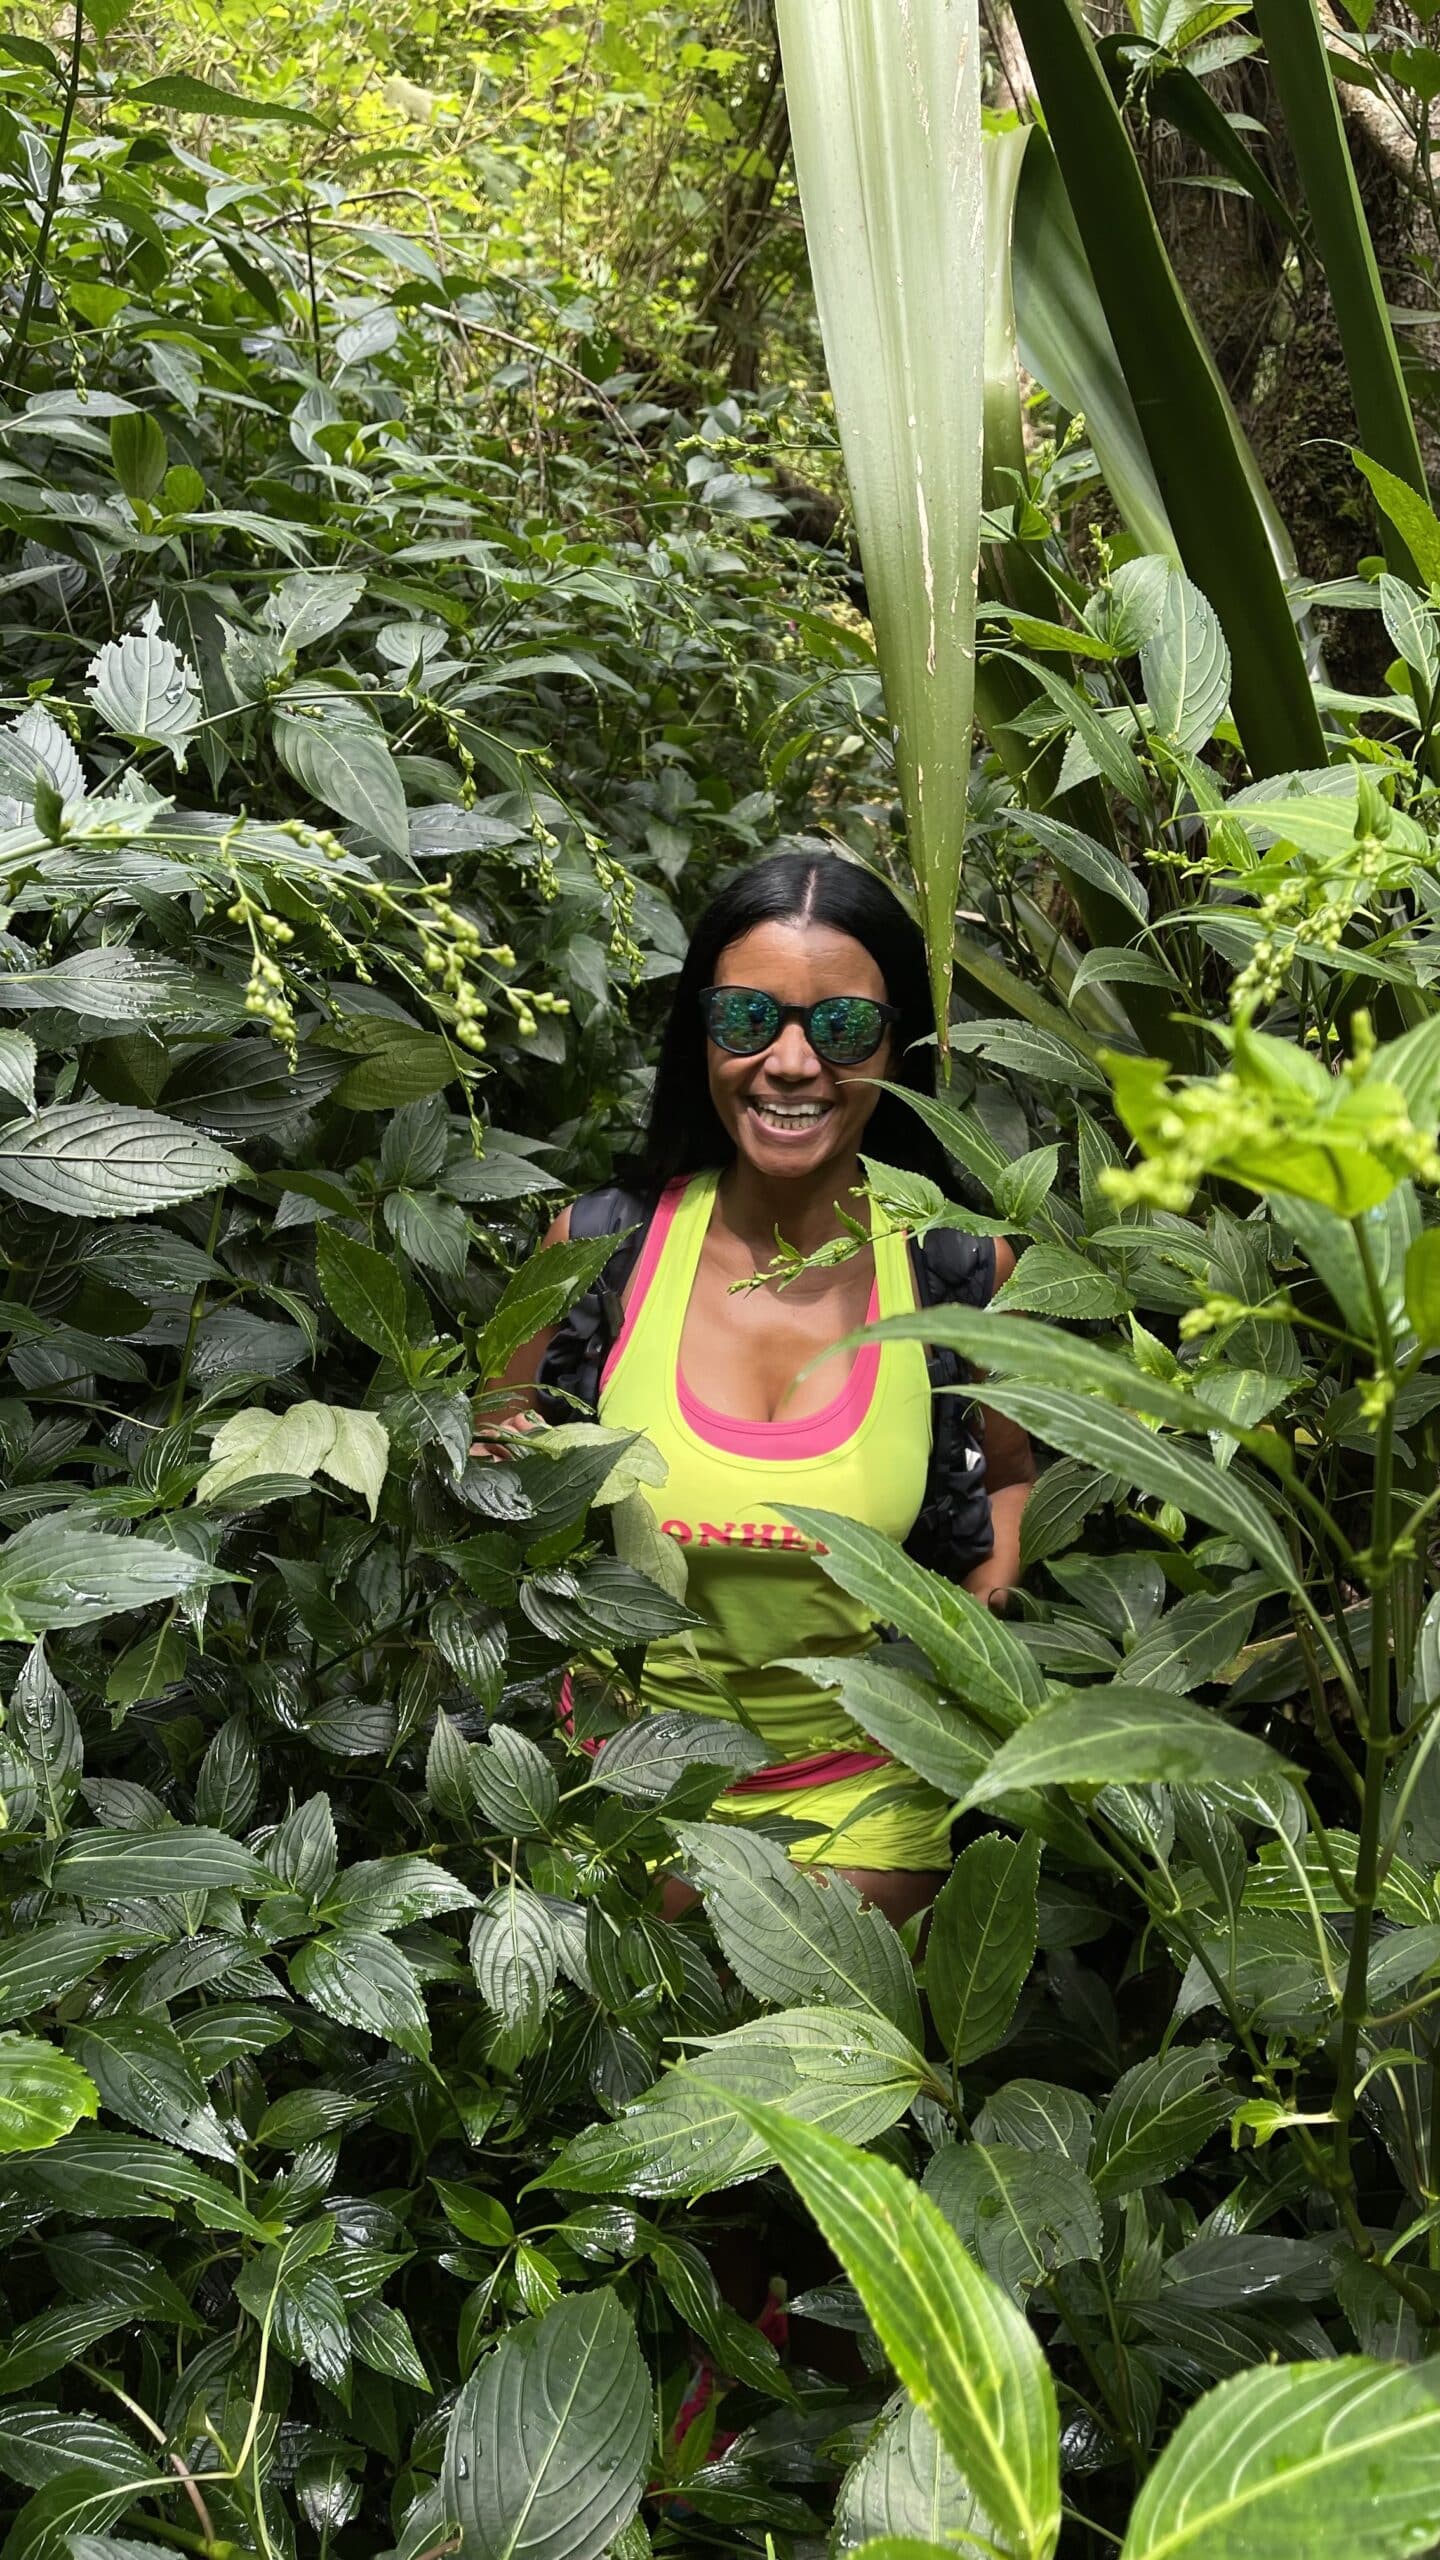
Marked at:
<point>767,1354</point>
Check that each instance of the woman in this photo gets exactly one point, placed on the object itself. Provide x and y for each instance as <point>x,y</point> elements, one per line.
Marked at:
<point>805,986</point>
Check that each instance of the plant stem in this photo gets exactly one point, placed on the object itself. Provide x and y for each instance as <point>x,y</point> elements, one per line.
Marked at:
<point>36,277</point>
<point>1355,2000</point>
<point>197,1310</point>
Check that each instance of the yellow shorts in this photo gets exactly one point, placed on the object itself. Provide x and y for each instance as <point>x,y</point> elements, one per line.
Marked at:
<point>907,1835</point>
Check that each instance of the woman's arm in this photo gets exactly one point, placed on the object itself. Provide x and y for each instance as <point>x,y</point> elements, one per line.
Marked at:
<point>1009,1478</point>
<point>523,1366</point>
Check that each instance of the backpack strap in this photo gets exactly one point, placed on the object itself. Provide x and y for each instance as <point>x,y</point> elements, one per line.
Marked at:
<point>568,1378</point>
<point>952,1532</point>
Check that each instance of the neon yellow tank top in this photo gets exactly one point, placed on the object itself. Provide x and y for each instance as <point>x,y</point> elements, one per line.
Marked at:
<point>752,1576</point>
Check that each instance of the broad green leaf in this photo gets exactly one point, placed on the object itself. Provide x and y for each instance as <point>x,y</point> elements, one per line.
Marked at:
<point>548,2448</point>
<point>1185,668</point>
<point>393,1893</point>
<point>1422,1286</point>
<point>1118,1735</point>
<point>1412,515</point>
<point>144,690</point>
<point>973,1652</point>
<point>906,2491</point>
<point>105,1160</point>
<point>227,1786</point>
<point>1123,1446</point>
<point>1021,2213</point>
<point>337,750</point>
<point>111,1866</point>
<point>351,1447</point>
<point>691,2134</point>
<point>303,1851</point>
<point>356,1976</point>
<point>365,1291</point>
<point>1194,1642</point>
<point>309,606</point>
<point>514,1953</point>
<point>38,1966</point>
<point>884,114</point>
<point>982,1944</point>
<point>110,2176</point>
<point>539,1294</point>
<point>42,2093</point>
<point>1054,1280</point>
<point>793,1936</point>
<point>512,1782</point>
<point>1339,2460</point>
<point>905,1715</point>
<point>144,2074</point>
<point>1037,2115</point>
<point>183,94</point>
<point>138,453</point>
<point>52,1577</point>
<point>1156,2119</point>
<point>648,1758</point>
<point>36,2348</point>
<point>964,2353</point>
<point>17,1068</point>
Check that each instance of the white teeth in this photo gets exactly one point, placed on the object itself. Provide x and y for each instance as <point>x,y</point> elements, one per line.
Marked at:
<point>790,1115</point>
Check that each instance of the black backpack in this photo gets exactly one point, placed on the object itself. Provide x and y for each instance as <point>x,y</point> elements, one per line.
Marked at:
<point>952,1533</point>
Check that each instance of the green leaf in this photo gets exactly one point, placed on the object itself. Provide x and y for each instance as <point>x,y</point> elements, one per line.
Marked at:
<point>1412,516</point>
<point>982,1944</point>
<point>1422,1286</point>
<point>227,1788</point>
<point>17,1068</point>
<point>1054,1280</point>
<point>365,1291</point>
<point>42,2094</point>
<point>1021,2213</point>
<point>113,1866</point>
<point>884,111</point>
<point>1124,1447</point>
<point>1339,2460</point>
<point>906,2490</point>
<point>42,2346</point>
<point>905,1715</point>
<point>338,752</point>
<point>964,2353</point>
<point>105,1160</point>
<point>144,2074</point>
<point>690,2133</point>
<point>1118,1735</point>
<point>1037,2115</point>
<point>145,691</point>
<point>646,1759</point>
<point>1185,667</point>
<point>356,1975</point>
<point>108,2175</point>
<point>308,1439</point>
<point>548,2448</point>
<point>39,1966</point>
<point>539,1294</point>
<point>515,1954</point>
<point>393,1893</point>
<point>973,1652</point>
<point>138,453</point>
<point>1198,1640</point>
<point>185,95</point>
<point>513,1783</point>
<point>303,1850</point>
<point>1156,2119</point>
<point>795,1937</point>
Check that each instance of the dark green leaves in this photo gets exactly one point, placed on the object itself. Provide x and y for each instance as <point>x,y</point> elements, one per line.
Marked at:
<point>109,1866</point>
<point>549,2445</point>
<point>1340,2460</point>
<point>1159,2115</point>
<point>1099,1737</point>
<point>976,1656</point>
<point>966,2356</point>
<point>794,1935</point>
<point>365,1291</point>
<point>538,1294</point>
<point>359,1978</point>
<point>144,2074</point>
<point>981,1944</point>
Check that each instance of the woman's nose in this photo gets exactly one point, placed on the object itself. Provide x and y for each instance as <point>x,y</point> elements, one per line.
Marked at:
<point>791,1054</point>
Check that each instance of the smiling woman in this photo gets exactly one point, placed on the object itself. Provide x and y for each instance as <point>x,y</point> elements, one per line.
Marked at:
<point>803,994</point>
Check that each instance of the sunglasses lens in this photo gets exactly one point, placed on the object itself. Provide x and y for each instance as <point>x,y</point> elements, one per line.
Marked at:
<point>845,1029</point>
<point>743,1020</point>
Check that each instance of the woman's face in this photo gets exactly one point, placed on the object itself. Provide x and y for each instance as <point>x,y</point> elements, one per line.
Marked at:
<point>789,1113</point>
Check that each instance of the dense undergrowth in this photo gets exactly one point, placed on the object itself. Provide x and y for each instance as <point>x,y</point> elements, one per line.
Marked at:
<point>383,697</point>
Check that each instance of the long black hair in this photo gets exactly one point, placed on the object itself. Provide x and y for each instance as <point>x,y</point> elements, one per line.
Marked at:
<point>685,1132</point>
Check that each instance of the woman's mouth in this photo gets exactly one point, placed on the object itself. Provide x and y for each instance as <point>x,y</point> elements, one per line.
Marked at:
<point>789,1119</point>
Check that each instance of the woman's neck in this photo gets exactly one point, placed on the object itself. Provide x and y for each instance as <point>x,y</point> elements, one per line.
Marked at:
<point>805,1210</point>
